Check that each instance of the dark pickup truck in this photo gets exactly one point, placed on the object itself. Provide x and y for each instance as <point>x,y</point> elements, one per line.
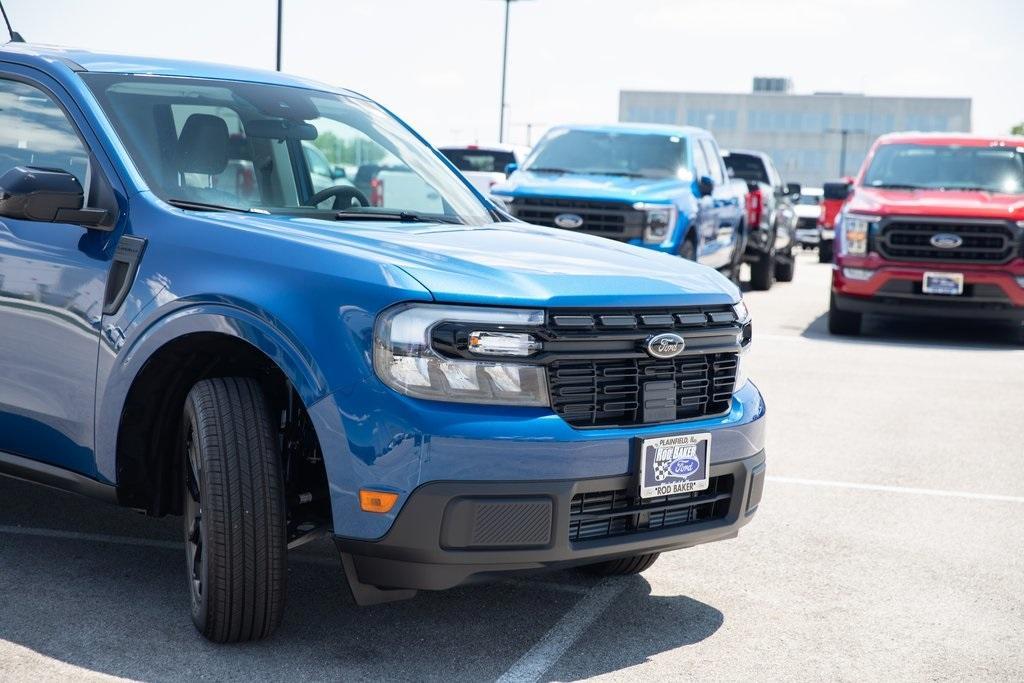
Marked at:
<point>771,235</point>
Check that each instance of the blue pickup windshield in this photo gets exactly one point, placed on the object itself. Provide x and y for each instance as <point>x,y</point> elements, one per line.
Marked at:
<point>641,155</point>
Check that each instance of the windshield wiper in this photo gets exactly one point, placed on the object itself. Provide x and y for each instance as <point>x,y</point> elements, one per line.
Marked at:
<point>900,186</point>
<point>623,174</point>
<point>546,169</point>
<point>391,217</point>
<point>203,206</point>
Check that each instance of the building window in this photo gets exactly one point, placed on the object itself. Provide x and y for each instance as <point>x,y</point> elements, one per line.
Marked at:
<point>712,119</point>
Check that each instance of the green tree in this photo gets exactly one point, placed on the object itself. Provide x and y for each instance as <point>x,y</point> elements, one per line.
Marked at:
<point>1018,129</point>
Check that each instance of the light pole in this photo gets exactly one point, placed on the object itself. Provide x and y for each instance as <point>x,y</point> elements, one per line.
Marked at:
<point>844,133</point>
<point>280,12</point>
<point>504,74</point>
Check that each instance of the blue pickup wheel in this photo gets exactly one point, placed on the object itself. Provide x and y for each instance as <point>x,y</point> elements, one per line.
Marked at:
<point>234,510</point>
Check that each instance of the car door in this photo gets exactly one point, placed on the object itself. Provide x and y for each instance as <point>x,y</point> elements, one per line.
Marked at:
<point>52,279</point>
<point>706,221</point>
<point>723,207</point>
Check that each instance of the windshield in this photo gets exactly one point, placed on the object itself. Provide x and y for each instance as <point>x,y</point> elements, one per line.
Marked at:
<point>640,155</point>
<point>747,167</point>
<point>244,146</point>
<point>480,160</point>
<point>809,199</point>
<point>947,167</point>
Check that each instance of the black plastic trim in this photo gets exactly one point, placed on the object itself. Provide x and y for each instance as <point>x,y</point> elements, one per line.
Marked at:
<point>929,307</point>
<point>123,269</point>
<point>411,555</point>
<point>18,467</point>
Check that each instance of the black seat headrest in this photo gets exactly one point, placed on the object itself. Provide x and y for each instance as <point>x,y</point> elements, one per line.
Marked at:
<point>203,145</point>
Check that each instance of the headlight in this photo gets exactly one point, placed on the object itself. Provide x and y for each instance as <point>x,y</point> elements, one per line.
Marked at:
<point>740,309</point>
<point>659,220</point>
<point>405,359</point>
<point>856,228</point>
<point>744,339</point>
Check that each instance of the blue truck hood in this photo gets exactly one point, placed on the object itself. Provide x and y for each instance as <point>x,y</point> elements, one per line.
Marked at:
<point>512,264</point>
<point>593,187</point>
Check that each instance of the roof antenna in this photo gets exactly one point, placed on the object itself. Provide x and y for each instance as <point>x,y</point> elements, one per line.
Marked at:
<point>15,36</point>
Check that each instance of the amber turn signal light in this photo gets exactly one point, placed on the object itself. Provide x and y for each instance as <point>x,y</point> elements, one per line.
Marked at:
<point>377,501</point>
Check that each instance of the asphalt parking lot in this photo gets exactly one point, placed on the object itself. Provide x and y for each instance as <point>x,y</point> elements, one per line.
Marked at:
<point>889,545</point>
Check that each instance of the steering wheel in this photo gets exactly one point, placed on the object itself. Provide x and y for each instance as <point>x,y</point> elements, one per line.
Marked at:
<point>343,196</point>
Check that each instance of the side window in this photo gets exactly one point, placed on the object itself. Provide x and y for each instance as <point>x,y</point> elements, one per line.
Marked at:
<point>700,160</point>
<point>714,161</point>
<point>34,131</point>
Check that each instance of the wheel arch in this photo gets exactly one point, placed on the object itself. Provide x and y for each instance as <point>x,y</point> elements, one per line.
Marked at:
<point>140,408</point>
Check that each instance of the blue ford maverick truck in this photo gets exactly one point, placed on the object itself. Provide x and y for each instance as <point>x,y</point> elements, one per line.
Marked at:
<point>190,325</point>
<point>661,187</point>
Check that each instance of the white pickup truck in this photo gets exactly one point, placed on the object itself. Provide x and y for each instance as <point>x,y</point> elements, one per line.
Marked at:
<point>485,165</point>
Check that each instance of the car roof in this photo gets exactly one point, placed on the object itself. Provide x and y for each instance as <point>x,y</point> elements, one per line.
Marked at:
<point>964,139</point>
<point>750,152</point>
<point>87,61</point>
<point>638,128</point>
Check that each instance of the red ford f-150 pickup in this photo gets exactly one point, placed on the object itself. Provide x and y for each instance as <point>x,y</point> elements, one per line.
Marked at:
<point>933,226</point>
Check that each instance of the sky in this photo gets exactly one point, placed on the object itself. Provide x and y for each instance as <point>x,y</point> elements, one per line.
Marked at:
<point>437,63</point>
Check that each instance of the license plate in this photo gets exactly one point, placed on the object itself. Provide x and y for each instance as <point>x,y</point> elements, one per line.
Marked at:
<point>674,464</point>
<point>949,284</point>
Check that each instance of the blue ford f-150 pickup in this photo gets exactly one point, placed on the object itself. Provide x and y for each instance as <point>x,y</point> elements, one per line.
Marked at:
<point>189,327</point>
<point>662,187</point>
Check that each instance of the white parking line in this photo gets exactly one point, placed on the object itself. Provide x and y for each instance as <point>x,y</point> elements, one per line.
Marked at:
<point>553,644</point>
<point>895,489</point>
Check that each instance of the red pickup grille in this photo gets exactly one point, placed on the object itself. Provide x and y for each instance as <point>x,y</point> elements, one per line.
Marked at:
<point>979,242</point>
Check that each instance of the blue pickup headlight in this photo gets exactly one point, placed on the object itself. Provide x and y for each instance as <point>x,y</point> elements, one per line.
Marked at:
<point>659,220</point>
<point>405,360</point>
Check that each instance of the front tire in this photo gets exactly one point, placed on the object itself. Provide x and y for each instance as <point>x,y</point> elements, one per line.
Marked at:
<point>785,268</point>
<point>234,505</point>
<point>762,272</point>
<point>688,250</point>
<point>825,251</point>
<point>623,566</point>
<point>845,323</point>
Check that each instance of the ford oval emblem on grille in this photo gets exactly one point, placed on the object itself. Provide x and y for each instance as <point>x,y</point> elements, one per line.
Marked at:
<point>946,240</point>
<point>569,221</point>
<point>667,345</point>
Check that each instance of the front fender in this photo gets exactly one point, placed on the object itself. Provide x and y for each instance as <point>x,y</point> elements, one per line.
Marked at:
<point>124,352</point>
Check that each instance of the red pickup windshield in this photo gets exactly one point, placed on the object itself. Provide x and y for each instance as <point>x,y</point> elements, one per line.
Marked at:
<point>947,167</point>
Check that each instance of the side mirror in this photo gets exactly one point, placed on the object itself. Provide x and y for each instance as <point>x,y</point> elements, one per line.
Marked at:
<point>48,195</point>
<point>793,189</point>
<point>511,168</point>
<point>338,172</point>
<point>840,191</point>
<point>705,186</point>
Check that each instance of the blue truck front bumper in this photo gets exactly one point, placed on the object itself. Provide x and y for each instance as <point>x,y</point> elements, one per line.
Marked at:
<point>401,445</point>
<point>456,532</point>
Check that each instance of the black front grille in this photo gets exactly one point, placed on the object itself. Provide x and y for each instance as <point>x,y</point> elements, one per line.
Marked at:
<point>597,393</point>
<point>604,514</point>
<point>981,242</point>
<point>806,223</point>
<point>605,219</point>
<point>600,374</point>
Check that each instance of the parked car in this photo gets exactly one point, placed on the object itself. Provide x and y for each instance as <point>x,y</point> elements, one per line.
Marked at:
<point>934,226</point>
<point>808,213</point>
<point>661,187</point>
<point>772,234</point>
<point>485,165</point>
<point>449,396</point>
<point>322,173</point>
<point>833,196</point>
